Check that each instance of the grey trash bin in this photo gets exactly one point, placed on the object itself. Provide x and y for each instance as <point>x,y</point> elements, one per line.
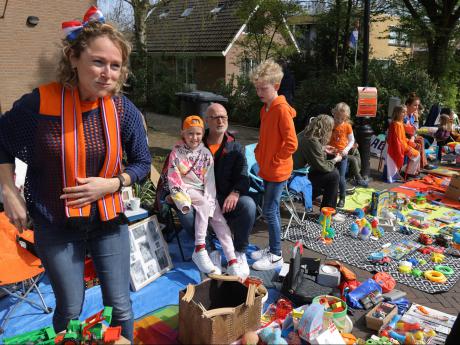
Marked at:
<point>196,102</point>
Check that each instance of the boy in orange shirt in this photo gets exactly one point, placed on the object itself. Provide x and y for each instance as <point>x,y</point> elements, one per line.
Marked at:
<point>277,143</point>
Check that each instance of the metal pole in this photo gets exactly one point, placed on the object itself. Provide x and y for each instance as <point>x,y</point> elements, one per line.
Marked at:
<point>364,130</point>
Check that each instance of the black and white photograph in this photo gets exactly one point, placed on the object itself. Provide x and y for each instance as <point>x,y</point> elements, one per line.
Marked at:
<point>149,252</point>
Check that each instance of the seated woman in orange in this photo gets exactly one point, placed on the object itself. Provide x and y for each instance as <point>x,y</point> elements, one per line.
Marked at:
<point>400,146</point>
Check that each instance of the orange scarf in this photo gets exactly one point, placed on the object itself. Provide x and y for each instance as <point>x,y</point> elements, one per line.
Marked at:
<point>74,153</point>
<point>64,102</point>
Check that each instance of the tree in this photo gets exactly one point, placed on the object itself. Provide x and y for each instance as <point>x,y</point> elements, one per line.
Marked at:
<point>437,23</point>
<point>265,19</point>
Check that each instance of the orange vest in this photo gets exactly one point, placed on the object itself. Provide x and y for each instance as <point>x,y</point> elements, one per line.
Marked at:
<point>56,100</point>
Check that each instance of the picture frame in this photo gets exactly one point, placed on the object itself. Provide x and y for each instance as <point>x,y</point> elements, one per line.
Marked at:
<point>149,254</point>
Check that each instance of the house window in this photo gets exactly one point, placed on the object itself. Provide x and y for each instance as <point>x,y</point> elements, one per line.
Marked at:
<point>247,65</point>
<point>218,8</point>
<point>185,70</point>
<point>397,38</point>
<point>164,14</point>
<point>187,12</point>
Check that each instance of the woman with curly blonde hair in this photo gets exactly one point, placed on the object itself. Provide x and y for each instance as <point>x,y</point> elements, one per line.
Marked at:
<point>313,150</point>
<point>72,134</point>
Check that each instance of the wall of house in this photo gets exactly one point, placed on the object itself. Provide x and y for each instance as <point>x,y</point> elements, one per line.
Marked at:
<point>208,70</point>
<point>378,38</point>
<point>28,55</point>
<point>232,60</point>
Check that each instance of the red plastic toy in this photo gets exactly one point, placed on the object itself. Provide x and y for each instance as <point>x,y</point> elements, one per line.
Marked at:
<point>424,238</point>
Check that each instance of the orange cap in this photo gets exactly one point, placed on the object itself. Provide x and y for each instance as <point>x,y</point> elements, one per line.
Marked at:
<point>192,121</point>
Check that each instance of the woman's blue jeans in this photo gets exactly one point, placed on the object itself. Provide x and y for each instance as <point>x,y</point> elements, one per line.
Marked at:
<point>271,212</point>
<point>62,253</point>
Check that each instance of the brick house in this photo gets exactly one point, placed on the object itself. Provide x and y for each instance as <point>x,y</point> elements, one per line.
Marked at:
<point>29,46</point>
<point>200,39</point>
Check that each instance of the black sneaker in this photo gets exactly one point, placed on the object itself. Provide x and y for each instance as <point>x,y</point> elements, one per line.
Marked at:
<point>430,167</point>
<point>341,203</point>
<point>350,190</point>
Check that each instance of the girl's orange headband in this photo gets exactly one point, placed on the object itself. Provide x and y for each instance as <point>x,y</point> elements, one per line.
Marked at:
<point>192,121</point>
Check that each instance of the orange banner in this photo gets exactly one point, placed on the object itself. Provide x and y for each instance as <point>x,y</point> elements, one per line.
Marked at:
<point>367,102</point>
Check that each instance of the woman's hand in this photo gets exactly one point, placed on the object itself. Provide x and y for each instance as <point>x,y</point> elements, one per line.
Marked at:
<point>89,190</point>
<point>15,207</point>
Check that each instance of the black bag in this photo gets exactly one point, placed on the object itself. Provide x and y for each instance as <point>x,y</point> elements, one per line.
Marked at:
<point>300,284</point>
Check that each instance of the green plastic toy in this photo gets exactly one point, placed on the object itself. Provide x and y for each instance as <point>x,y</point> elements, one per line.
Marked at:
<point>42,336</point>
<point>417,273</point>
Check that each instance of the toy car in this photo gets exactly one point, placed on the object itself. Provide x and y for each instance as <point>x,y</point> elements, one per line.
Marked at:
<point>379,259</point>
<point>425,239</point>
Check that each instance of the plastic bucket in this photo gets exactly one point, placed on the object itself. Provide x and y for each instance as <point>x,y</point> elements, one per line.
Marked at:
<point>338,317</point>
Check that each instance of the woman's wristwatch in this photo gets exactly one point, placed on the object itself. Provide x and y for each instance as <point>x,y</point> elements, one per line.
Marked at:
<point>122,181</point>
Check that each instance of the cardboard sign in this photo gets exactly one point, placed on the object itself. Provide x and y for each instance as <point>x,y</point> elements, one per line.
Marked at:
<point>367,102</point>
<point>377,144</point>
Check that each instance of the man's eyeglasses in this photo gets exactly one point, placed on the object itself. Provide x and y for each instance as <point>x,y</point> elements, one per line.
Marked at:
<point>219,117</point>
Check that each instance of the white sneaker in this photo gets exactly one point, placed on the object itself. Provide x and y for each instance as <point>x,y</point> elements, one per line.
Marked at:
<point>235,270</point>
<point>268,262</point>
<point>259,254</point>
<point>202,260</point>
<point>243,262</point>
<point>216,259</point>
<point>338,218</point>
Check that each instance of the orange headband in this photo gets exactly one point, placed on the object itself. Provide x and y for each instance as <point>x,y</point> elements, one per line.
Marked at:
<point>192,121</point>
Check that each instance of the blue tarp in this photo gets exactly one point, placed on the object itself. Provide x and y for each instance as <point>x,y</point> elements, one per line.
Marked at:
<point>163,291</point>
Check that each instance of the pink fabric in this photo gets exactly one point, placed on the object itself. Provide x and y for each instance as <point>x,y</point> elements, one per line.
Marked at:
<point>218,223</point>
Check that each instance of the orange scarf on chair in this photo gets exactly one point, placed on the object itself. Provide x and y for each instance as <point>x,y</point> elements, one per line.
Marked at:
<point>64,102</point>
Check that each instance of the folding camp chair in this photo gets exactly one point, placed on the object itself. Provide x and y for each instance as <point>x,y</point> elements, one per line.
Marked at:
<point>256,188</point>
<point>288,198</point>
<point>166,209</point>
<point>20,271</point>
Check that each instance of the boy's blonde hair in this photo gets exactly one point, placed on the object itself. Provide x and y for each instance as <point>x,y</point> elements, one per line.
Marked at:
<point>342,107</point>
<point>268,71</point>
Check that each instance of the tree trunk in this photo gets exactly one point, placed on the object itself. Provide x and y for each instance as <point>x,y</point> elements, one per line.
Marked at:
<point>438,49</point>
<point>141,9</point>
<point>337,33</point>
<point>346,35</point>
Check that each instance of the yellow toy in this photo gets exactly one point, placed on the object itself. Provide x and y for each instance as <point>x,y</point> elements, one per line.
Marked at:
<point>435,276</point>
<point>437,257</point>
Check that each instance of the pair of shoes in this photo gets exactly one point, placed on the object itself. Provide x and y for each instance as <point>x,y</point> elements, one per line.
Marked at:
<point>203,261</point>
<point>267,261</point>
<point>341,202</point>
<point>216,259</point>
<point>243,262</point>
<point>259,254</point>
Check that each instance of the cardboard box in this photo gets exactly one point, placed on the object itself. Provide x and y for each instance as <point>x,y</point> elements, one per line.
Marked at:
<point>453,191</point>
<point>375,323</point>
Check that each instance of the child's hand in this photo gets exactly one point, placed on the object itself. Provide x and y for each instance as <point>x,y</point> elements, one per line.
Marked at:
<point>412,139</point>
<point>330,149</point>
<point>344,153</point>
<point>338,157</point>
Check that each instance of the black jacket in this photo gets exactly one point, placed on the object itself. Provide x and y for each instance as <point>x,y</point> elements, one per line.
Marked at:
<point>230,167</point>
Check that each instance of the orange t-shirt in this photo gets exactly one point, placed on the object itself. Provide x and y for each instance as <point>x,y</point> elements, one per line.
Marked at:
<point>339,137</point>
<point>213,148</point>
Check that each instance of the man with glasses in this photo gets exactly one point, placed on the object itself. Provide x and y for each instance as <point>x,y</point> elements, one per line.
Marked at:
<point>232,184</point>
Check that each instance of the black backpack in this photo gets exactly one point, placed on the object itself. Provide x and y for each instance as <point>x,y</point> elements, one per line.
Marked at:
<point>300,284</point>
